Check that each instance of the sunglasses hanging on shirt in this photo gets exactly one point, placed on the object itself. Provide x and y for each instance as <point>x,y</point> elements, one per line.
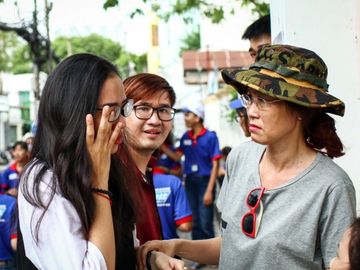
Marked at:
<point>250,222</point>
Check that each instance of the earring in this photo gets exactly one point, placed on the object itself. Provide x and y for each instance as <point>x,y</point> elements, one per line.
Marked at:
<point>299,118</point>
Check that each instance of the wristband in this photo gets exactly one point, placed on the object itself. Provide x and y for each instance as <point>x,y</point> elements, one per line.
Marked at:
<point>148,258</point>
<point>104,196</point>
<point>103,191</point>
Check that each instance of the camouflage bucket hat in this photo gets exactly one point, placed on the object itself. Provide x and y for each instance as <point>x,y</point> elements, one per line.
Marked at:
<point>288,73</point>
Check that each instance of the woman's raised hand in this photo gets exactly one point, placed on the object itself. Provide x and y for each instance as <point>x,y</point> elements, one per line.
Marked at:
<point>100,144</point>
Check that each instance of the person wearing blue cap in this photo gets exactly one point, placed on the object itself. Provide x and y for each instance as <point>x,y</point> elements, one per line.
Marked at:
<point>241,115</point>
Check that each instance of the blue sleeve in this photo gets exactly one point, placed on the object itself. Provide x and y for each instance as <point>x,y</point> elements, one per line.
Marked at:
<point>181,146</point>
<point>181,204</point>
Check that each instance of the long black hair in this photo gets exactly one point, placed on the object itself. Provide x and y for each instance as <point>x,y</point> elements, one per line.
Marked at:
<point>70,93</point>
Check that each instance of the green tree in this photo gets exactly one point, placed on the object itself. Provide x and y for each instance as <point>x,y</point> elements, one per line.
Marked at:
<point>104,47</point>
<point>191,42</point>
<point>8,44</point>
<point>93,43</point>
<point>21,60</point>
<point>215,12</point>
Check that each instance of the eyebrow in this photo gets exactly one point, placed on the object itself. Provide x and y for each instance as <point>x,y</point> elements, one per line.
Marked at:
<point>110,104</point>
<point>142,103</point>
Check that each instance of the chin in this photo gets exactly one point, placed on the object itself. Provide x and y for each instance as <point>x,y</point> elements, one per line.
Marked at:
<point>257,140</point>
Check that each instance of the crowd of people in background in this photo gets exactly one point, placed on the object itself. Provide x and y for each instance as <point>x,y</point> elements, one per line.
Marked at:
<point>104,185</point>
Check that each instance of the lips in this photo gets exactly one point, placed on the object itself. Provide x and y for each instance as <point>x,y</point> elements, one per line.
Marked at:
<point>253,127</point>
<point>152,131</point>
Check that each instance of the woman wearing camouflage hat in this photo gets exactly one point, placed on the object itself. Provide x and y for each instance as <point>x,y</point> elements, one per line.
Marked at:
<point>285,204</point>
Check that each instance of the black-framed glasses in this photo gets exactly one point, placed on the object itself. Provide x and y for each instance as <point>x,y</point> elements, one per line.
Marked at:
<point>261,103</point>
<point>249,223</point>
<point>145,112</point>
<point>124,109</point>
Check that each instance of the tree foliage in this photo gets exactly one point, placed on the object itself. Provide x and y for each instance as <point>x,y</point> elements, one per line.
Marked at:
<point>104,47</point>
<point>93,43</point>
<point>8,44</point>
<point>15,56</point>
<point>191,42</point>
<point>215,12</point>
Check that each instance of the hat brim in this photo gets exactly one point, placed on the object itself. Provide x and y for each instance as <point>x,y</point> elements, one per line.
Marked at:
<point>242,79</point>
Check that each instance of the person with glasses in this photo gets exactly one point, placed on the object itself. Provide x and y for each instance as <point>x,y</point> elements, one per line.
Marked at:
<point>241,115</point>
<point>147,127</point>
<point>75,209</point>
<point>284,202</point>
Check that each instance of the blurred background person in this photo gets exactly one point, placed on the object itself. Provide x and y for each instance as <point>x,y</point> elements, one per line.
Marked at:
<point>348,254</point>
<point>8,234</point>
<point>222,166</point>
<point>241,115</point>
<point>259,34</point>
<point>11,175</point>
<point>165,164</point>
<point>201,151</point>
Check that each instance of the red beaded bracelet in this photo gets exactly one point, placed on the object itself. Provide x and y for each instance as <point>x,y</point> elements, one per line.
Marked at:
<point>104,196</point>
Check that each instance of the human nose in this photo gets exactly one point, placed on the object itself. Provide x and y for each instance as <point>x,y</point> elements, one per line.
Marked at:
<point>252,109</point>
<point>155,116</point>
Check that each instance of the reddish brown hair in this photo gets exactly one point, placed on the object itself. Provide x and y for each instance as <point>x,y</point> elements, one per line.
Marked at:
<point>319,131</point>
<point>146,85</point>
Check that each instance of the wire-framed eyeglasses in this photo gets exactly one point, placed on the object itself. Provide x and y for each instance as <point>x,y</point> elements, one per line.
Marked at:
<point>124,109</point>
<point>145,112</point>
<point>261,103</point>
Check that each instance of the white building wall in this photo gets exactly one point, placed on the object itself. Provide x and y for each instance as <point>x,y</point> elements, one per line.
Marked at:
<point>12,85</point>
<point>332,29</point>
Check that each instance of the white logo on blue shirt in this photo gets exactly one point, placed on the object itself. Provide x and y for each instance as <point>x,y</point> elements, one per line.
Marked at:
<point>13,176</point>
<point>2,211</point>
<point>187,142</point>
<point>162,194</point>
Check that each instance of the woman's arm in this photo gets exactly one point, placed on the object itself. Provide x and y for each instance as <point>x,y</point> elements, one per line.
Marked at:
<point>100,145</point>
<point>202,251</point>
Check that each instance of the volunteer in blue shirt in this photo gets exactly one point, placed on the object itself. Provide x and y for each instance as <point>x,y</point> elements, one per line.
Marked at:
<point>8,236</point>
<point>202,153</point>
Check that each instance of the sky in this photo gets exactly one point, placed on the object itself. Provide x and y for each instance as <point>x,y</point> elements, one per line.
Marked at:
<point>83,17</point>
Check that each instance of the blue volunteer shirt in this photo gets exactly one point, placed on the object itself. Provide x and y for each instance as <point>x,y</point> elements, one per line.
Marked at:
<point>7,226</point>
<point>165,161</point>
<point>9,178</point>
<point>199,151</point>
<point>172,203</point>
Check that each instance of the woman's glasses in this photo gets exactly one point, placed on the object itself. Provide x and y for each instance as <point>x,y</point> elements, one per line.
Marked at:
<point>261,103</point>
<point>124,109</point>
<point>145,112</point>
<point>249,223</point>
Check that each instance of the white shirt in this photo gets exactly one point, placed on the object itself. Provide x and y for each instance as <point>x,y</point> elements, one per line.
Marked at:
<point>62,243</point>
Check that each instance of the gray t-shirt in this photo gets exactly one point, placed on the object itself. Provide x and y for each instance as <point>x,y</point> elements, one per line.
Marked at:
<point>302,221</point>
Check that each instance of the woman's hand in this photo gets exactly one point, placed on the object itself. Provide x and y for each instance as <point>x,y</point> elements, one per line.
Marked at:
<point>99,145</point>
<point>165,246</point>
<point>161,261</point>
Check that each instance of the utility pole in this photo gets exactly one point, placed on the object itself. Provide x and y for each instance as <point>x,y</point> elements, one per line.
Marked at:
<point>48,8</point>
